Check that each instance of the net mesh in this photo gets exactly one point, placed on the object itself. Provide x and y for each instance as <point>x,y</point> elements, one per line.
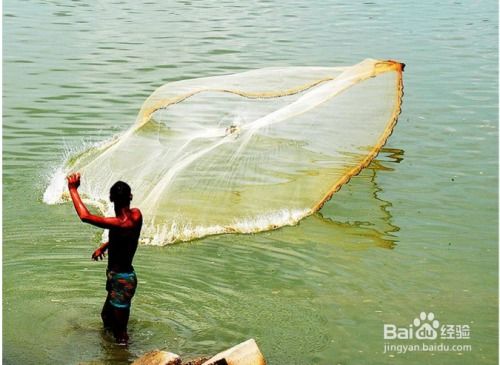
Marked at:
<point>243,153</point>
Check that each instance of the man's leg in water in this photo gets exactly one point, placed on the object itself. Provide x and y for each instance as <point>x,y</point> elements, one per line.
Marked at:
<point>120,321</point>
<point>116,320</point>
<point>107,314</point>
<point>121,288</point>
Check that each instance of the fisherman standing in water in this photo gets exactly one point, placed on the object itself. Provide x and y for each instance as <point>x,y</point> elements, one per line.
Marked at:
<point>124,231</point>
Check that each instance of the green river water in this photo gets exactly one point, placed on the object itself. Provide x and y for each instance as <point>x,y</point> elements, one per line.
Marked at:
<point>415,232</point>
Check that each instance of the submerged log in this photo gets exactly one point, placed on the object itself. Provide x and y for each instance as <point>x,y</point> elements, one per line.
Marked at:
<point>158,358</point>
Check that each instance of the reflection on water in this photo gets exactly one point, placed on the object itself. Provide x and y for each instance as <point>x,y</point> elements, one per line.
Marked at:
<point>375,220</point>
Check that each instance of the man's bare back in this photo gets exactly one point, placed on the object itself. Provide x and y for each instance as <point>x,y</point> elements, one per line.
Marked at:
<point>122,246</point>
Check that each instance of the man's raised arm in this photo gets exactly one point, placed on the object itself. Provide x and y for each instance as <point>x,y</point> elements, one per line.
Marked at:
<point>87,217</point>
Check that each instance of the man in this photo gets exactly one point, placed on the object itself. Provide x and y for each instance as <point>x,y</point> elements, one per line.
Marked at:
<point>124,231</point>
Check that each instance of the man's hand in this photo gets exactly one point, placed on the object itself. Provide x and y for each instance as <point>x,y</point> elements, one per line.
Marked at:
<point>98,255</point>
<point>100,252</point>
<point>73,181</point>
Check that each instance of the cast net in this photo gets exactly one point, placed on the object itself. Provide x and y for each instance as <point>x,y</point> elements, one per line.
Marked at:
<point>242,153</point>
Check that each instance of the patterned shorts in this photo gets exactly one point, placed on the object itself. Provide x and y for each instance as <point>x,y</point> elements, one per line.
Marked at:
<point>121,288</point>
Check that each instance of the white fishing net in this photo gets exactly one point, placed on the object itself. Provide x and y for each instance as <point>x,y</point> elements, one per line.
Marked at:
<point>243,153</point>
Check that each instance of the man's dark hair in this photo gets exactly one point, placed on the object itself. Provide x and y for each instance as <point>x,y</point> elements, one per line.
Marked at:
<point>120,192</point>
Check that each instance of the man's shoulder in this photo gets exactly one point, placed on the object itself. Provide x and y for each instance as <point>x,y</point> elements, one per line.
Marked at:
<point>136,213</point>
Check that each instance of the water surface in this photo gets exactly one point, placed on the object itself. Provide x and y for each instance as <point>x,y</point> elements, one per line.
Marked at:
<point>417,231</point>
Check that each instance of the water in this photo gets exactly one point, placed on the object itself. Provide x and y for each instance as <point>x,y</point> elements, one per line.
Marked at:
<point>417,231</point>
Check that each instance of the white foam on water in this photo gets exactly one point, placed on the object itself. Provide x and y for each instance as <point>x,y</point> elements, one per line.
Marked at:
<point>164,234</point>
<point>57,191</point>
<point>54,193</point>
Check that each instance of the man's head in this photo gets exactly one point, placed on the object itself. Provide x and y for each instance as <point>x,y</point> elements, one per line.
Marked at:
<point>120,193</point>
